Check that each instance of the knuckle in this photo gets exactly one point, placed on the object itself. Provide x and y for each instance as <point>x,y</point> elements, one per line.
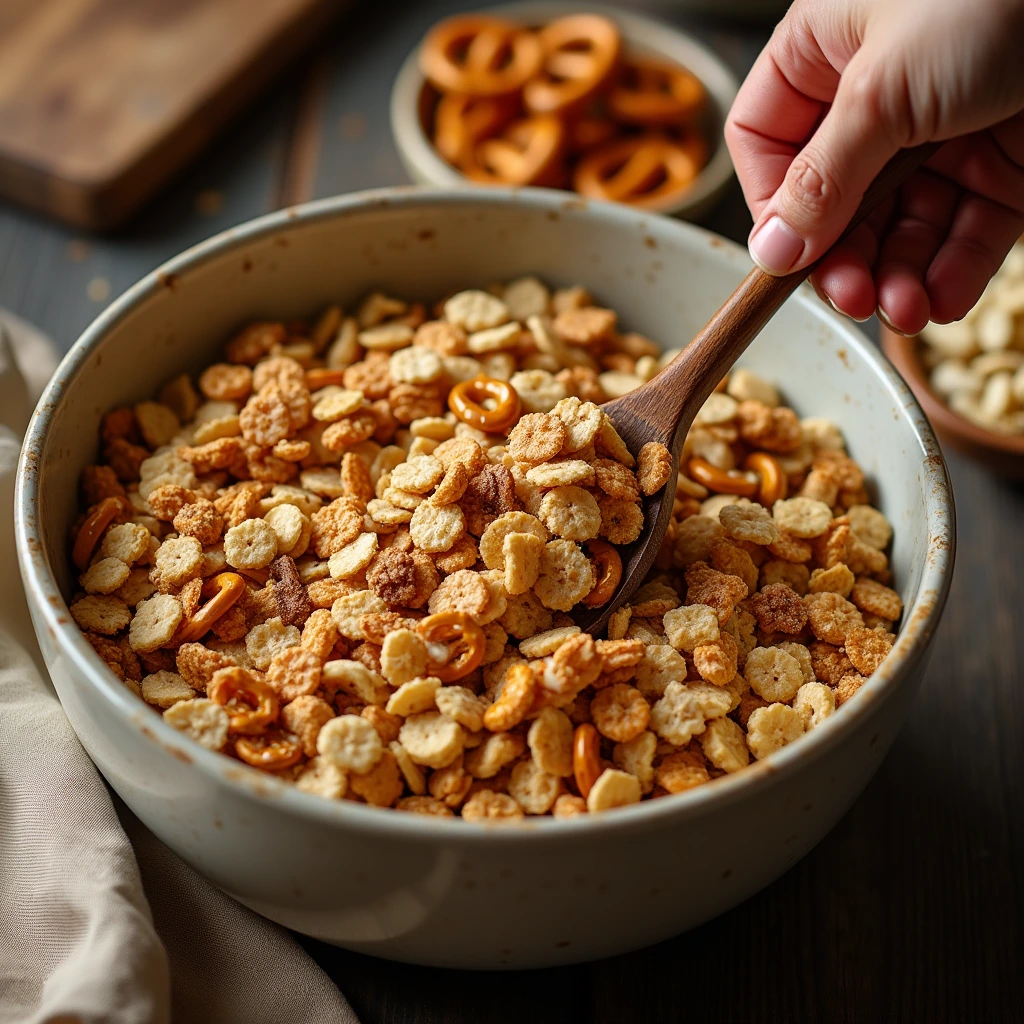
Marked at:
<point>812,185</point>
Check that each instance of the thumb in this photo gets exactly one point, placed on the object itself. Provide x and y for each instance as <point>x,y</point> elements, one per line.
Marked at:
<point>827,179</point>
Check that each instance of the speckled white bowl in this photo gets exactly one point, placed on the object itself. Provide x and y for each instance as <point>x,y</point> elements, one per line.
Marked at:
<point>438,891</point>
<point>641,34</point>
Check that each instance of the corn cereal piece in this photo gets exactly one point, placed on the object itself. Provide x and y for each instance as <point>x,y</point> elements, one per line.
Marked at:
<point>320,777</point>
<point>127,542</point>
<point>475,310</point>
<point>636,756</point>
<point>847,687</point>
<point>654,467</point>
<point>566,575</point>
<point>104,576</point>
<point>347,611</point>
<point>832,617</point>
<point>497,751</point>
<point>749,523</point>
<point>684,708</point>
<point>486,805</point>
<point>837,580</point>
<point>353,557</point>
<point>202,720</point>
<point>418,475</point>
<point>355,679</point>
<point>682,770</point>
<point>461,705</point>
<point>613,788</point>
<point>494,339</point>
<point>462,591</point>
<point>621,521</point>
<point>536,438</point>
<point>250,545</point>
<point>432,739</point>
<point>163,689</point>
<point>872,597</point>
<point>620,712</point>
<point>550,740</point>
<point>493,538</point>
<point>157,422</point>
<point>534,789</point>
<point>569,806</point>
<point>814,702</point>
<point>350,744</point>
<point>436,528</point>
<point>269,638</point>
<point>661,666</point>
<point>690,626</point>
<point>413,697</point>
<point>802,517</point>
<point>424,805</point>
<point>294,672</point>
<point>156,620</point>
<point>867,649</point>
<point>870,526</point>
<point>403,657</point>
<point>538,390</point>
<point>571,513</point>
<point>521,553</point>
<point>773,674</point>
<point>411,772</point>
<point>559,474</point>
<point>771,728</point>
<point>514,700</point>
<point>581,422</point>
<point>305,716</point>
<point>178,560</point>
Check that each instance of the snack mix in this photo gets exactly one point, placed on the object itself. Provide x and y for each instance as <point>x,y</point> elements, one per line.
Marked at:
<point>977,364</point>
<point>561,105</point>
<point>347,558</point>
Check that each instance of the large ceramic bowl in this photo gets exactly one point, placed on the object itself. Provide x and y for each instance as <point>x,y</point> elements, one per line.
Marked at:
<point>447,892</point>
<point>411,98</point>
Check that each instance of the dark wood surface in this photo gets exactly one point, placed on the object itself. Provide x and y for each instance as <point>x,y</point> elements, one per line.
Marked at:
<point>912,909</point>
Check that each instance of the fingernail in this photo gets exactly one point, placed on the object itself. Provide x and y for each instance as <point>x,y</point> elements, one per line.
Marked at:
<point>855,319</point>
<point>775,246</point>
<point>880,313</point>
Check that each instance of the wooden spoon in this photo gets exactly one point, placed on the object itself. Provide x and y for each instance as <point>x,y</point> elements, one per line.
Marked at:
<point>663,409</point>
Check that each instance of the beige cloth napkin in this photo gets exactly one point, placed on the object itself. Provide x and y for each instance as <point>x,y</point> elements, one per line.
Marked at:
<point>99,921</point>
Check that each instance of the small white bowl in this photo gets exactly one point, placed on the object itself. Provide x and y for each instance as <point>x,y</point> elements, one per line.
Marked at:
<point>641,35</point>
<point>449,892</point>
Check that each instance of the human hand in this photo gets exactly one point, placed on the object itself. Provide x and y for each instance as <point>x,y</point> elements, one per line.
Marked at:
<point>843,85</point>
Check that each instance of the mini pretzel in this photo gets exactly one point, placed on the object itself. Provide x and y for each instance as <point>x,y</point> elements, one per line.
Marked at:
<point>653,93</point>
<point>608,569</point>
<point>460,122</point>
<point>722,481</point>
<point>586,758</point>
<point>250,702</point>
<point>92,529</point>
<point>479,56</point>
<point>459,627</point>
<point>588,132</point>
<point>222,591</point>
<point>467,397</point>
<point>529,153</point>
<point>321,376</point>
<point>580,53</point>
<point>271,751</point>
<point>774,484</point>
<point>648,171</point>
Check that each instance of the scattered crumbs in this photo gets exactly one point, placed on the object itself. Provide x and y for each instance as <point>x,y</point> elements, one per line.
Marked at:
<point>98,289</point>
<point>77,250</point>
<point>209,202</point>
<point>353,126</point>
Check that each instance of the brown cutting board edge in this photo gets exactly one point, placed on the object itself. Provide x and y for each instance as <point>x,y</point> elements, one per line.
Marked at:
<point>101,102</point>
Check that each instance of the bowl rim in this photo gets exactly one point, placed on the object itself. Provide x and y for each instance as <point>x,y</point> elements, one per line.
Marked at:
<point>640,30</point>
<point>905,353</point>
<point>50,610</point>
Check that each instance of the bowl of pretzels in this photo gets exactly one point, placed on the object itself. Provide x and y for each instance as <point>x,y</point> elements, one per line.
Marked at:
<point>600,101</point>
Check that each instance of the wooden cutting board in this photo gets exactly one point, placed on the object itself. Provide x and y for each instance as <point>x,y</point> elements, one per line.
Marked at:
<point>102,100</point>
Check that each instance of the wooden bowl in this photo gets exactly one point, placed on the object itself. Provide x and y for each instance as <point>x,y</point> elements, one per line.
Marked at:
<point>1003,453</point>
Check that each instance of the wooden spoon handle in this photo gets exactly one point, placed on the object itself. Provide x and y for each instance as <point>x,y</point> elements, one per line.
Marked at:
<point>691,377</point>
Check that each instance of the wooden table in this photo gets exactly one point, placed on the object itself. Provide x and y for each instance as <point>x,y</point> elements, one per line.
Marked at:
<point>913,908</point>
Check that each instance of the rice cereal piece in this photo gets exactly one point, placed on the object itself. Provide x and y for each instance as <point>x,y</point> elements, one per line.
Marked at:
<point>621,521</point>
<point>847,687</point>
<point>497,751</point>
<point>773,674</point>
<point>349,609</point>
<point>802,517</point>
<point>350,743</point>
<point>269,638</point>
<point>494,340</point>
<point>104,576</point>
<point>178,559</point>
<point>411,772</point>
<point>387,515</point>
<point>202,720</point>
<point>776,430</point>
<point>475,310</point>
<point>790,548</point>
<point>521,555</point>
<point>654,467</point>
<point>719,591</point>
<point>749,523</point>
<point>570,513</point>
<point>163,689</point>
<point>542,644</point>
<point>814,702</point>
<point>462,706</point>
<point>682,770</point>
<point>636,756</point>
<point>413,697</point>
<point>613,788</point>
<point>536,438</point>
<point>127,542</point>
<point>725,745</point>
<point>486,805</point>
<point>717,662</point>
<point>803,657</point>
<point>867,649</point>
<point>157,423</point>
<point>321,778</point>
<point>355,679</point>
<point>196,664</point>
<point>403,657</point>
<point>250,545</point>
<point>432,739</point>
<point>831,617</point>
<point>836,580</point>
<point>566,575</point>
<point>550,740</point>
<point>661,666</point>
<point>793,574</point>
<point>691,626</point>
<point>293,672</point>
<point>581,422</point>
<point>418,475</point>
<point>569,806</point>
<point>493,538</point>
<point>463,591</point>
<point>694,538</point>
<point>558,474</point>
<point>353,557</point>
<point>289,525</point>
<point>514,700</point>
<point>683,709</point>
<point>534,789</point>
<point>424,805</point>
<point>101,614</point>
<point>155,623</point>
<point>616,480</point>
<point>436,528</point>
<point>771,728</point>
<point>779,609</point>
<point>876,599</point>
<point>538,390</point>
<point>619,622</point>
<point>620,712</point>
<point>870,526</point>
